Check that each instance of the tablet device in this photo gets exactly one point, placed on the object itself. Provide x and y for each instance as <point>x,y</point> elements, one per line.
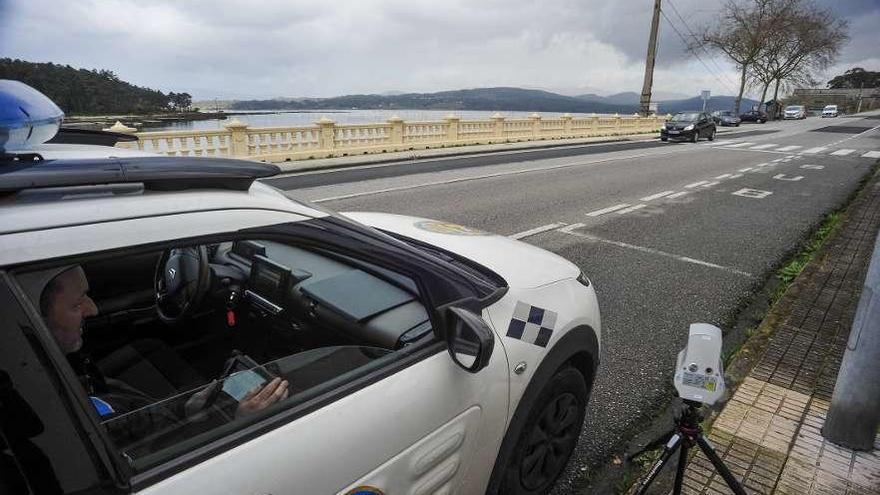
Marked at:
<point>242,375</point>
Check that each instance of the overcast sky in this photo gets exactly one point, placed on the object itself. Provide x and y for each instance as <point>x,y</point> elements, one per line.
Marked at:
<point>269,48</point>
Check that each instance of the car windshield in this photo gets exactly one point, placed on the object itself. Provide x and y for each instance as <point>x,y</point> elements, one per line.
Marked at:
<point>793,108</point>
<point>727,113</point>
<point>685,117</point>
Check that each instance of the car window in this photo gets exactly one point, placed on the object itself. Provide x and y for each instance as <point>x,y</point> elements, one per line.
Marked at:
<point>241,332</point>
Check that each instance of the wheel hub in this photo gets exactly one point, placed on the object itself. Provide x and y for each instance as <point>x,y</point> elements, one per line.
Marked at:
<point>550,442</point>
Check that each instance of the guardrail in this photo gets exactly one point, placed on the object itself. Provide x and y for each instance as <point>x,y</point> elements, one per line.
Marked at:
<point>327,139</point>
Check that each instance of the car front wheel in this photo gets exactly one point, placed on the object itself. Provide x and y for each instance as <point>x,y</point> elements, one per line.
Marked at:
<point>712,135</point>
<point>696,137</point>
<point>549,435</point>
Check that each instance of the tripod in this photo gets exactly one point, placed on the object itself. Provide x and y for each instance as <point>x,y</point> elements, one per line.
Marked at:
<point>685,434</point>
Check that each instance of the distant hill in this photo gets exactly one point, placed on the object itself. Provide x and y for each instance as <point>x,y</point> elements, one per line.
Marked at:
<point>82,91</point>
<point>490,99</point>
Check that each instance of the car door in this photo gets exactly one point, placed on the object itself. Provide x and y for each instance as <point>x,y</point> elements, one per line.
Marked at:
<point>420,424</point>
<point>416,422</point>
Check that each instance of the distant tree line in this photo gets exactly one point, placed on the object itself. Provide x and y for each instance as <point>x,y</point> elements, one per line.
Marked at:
<point>83,91</point>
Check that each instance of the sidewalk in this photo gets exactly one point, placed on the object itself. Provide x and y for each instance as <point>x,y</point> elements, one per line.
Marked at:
<point>769,432</point>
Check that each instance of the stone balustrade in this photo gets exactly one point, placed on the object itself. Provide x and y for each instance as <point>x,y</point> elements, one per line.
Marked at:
<point>328,139</point>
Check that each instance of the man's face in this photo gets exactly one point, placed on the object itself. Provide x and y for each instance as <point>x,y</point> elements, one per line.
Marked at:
<point>69,306</point>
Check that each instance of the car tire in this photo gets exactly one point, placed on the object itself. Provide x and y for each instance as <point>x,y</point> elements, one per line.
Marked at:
<point>548,437</point>
<point>696,137</point>
<point>712,135</point>
<point>664,139</point>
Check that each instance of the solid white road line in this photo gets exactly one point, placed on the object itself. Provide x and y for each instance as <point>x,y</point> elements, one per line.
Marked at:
<point>817,149</point>
<point>607,210</point>
<point>696,184</point>
<point>739,145</point>
<point>842,152</point>
<point>485,176</point>
<point>710,184</point>
<point>536,230</point>
<point>872,154</point>
<point>788,148</point>
<point>655,196</point>
<point>656,252</point>
<point>763,146</point>
<point>720,143</point>
<point>631,209</point>
<point>723,176</point>
<point>735,176</point>
<point>677,195</point>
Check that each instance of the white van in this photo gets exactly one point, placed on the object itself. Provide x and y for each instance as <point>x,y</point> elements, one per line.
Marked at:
<point>829,111</point>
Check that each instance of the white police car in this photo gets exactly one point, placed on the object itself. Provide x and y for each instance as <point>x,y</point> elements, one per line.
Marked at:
<point>171,325</point>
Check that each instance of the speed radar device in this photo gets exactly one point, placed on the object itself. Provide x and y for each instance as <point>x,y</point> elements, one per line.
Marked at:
<point>699,376</point>
<point>699,379</point>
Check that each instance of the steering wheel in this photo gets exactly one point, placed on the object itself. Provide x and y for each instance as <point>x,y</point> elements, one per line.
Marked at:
<point>181,281</point>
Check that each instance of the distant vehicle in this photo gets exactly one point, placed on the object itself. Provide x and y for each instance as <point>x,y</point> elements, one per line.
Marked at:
<point>754,116</point>
<point>689,126</point>
<point>829,111</point>
<point>725,118</point>
<point>795,112</point>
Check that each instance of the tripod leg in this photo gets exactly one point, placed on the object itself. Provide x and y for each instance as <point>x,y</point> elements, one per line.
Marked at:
<point>725,473</point>
<point>673,443</point>
<point>679,472</point>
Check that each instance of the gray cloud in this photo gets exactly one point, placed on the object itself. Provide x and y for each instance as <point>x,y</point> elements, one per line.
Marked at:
<point>296,48</point>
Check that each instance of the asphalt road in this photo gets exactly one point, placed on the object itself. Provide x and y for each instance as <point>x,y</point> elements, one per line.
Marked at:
<point>669,233</point>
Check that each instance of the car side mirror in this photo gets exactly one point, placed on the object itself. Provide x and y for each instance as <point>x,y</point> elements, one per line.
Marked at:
<point>469,339</point>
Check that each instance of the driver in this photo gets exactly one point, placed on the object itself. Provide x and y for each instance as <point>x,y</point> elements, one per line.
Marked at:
<point>65,304</point>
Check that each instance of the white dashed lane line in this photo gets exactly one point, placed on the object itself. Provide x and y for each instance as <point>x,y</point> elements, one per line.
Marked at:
<point>607,210</point>
<point>723,176</point>
<point>788,148</point>
<point>745,169</point>
<point>536,230</point>
<point>842,152</point>
<point>677,195</point>
<point>696,184</point>
<point>631,208</point>
<point>872,154</point>
<point>812,151</point>
<point>763,146</point>
<point>656,196</point>
<point>738,145</point>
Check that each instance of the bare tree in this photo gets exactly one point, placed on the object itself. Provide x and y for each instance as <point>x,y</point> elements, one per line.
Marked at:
<point>773,41</point>
<point>741,34</point>
<point>803,39</point>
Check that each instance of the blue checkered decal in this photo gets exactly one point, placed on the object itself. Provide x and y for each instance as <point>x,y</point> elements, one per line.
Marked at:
<point>531,324</point>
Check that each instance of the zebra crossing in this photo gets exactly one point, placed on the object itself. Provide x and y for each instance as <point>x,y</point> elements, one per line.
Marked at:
<point>793,149</point>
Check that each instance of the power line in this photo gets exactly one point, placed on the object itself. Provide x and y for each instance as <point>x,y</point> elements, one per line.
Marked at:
<point>702,47</point>
<point>684,40</point>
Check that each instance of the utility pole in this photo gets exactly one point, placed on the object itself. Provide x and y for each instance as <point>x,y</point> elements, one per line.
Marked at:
<point>649,62</point>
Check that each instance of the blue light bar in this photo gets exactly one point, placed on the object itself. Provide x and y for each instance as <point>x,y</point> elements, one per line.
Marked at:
<point>27,117</point>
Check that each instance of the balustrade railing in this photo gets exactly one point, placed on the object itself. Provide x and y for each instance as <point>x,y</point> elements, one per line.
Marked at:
<point>328,139</point>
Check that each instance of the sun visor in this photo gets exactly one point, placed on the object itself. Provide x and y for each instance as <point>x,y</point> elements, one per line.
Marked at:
<point>27,117</point>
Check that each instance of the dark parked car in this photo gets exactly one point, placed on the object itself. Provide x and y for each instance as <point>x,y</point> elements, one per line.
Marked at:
<point>754,116</point>
<point>688,126</point>
<point>725,118</point>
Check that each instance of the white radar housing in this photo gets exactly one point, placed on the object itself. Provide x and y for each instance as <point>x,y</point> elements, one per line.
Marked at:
<point>699,374</point>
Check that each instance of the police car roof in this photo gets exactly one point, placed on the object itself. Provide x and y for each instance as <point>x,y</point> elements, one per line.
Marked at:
<point>77,184</point>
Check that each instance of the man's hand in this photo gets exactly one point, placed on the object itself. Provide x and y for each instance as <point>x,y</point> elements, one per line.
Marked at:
<point>197,402</point>
<point>261,398</point>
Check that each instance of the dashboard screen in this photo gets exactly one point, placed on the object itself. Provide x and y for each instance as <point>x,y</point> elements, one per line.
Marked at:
<point>269,279</point>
